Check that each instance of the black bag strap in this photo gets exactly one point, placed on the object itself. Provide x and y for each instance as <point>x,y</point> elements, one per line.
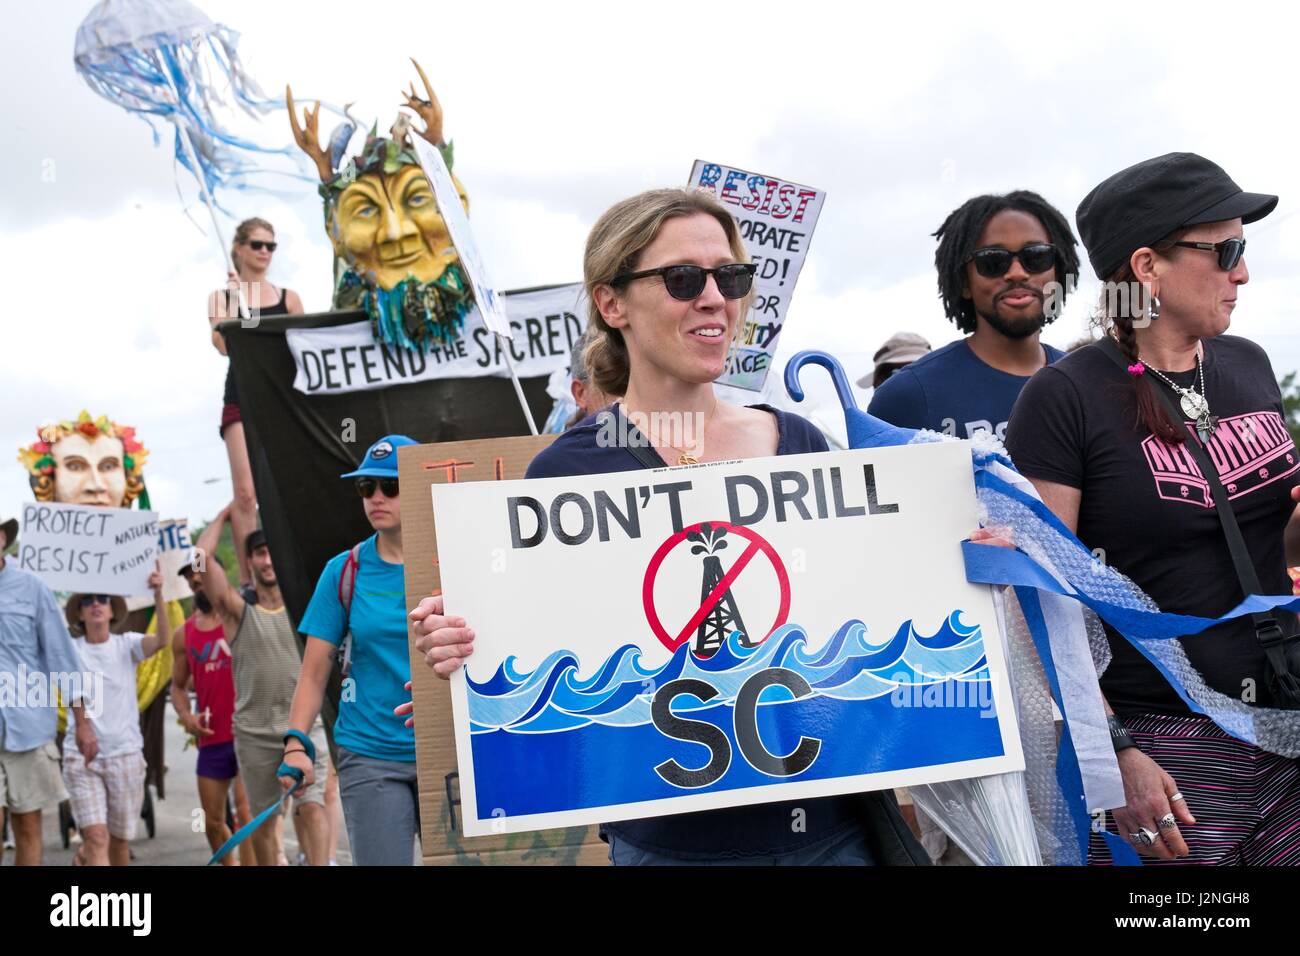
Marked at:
<point>1267,630</point>
<point>638,444</point>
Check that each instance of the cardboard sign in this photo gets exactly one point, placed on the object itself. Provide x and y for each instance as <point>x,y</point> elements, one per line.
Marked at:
<point>776,220</point>
<point>88,548</point>
<point>443,836</point>
<point>347,358</point>
<point>489,301</point>
<point>685,639</point>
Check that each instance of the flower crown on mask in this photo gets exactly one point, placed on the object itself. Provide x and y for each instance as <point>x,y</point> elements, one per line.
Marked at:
<point>38,458</point>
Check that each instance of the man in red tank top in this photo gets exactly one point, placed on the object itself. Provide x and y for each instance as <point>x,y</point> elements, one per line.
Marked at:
<point>203,661</point>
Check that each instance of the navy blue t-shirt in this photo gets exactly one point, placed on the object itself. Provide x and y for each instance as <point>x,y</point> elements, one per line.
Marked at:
<point>766,829</point>
<point>952,391</point>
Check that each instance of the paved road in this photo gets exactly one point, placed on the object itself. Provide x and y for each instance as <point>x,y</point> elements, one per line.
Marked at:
<point>176,843</point>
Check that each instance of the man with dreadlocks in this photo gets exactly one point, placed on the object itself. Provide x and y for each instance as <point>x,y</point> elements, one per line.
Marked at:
<point>1004,265</point>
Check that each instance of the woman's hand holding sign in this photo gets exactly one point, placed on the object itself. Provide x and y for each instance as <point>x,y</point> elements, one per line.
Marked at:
<point>443,639</point>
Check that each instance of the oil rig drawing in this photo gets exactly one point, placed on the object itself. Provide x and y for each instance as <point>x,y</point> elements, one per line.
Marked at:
<point>724,616</point>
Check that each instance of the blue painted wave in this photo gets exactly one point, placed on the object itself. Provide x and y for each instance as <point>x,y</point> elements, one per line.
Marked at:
<point>555,697</point>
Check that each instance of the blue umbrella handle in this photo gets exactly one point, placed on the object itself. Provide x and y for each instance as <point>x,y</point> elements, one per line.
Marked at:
<point>828,362</point>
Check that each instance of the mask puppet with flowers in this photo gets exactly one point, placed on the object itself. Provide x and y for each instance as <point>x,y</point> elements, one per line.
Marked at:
<point>87,461</point>
<point>397,260</point>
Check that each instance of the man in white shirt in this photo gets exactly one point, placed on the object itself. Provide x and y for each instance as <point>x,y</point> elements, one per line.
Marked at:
<point>106,793</point>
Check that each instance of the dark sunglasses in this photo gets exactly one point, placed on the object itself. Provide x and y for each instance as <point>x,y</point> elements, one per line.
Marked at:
<point>1230,251</point>
<point>257,245</point>
<point>88,599</point>
<point>687,282</point>
<point>366,486</point>
<point>993,263</point>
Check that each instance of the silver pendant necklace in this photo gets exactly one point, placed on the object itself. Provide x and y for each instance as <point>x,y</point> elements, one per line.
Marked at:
<point>1195,403</point>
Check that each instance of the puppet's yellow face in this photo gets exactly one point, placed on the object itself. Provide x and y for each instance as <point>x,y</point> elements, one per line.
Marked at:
<point>388,227</point>
<point>89,472</point>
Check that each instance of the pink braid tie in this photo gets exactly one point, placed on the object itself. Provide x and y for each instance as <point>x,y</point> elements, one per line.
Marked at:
<point>1136,369</point>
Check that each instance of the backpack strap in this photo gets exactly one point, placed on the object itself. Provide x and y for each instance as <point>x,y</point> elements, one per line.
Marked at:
<point>347,585</point>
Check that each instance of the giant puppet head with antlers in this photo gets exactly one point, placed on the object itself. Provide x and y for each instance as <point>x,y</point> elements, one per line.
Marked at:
<point>399,263</point>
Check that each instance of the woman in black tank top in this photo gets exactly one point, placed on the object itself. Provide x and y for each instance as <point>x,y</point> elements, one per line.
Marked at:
<point>251,253</point>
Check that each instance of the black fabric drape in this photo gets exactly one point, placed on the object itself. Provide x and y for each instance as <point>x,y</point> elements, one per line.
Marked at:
<point>297,445</point>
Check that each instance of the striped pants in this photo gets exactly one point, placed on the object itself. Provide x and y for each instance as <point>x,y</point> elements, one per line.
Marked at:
<point>1246,801</point>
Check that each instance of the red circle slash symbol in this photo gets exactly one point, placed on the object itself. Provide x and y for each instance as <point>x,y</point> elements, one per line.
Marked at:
<point>756,544</point>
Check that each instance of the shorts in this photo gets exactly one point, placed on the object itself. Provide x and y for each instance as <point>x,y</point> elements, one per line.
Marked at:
<point>108,790</point>
<point>217,761</point>
<point>229,415</point>
<point>259,759</point>
<point>30,780</point>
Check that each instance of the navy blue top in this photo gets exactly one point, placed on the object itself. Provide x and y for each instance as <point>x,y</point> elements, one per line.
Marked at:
<point>952,391</point>
<point>766,829</point>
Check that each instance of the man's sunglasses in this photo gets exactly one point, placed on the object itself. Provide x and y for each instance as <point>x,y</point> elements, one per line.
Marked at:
<point>1230,251</point>
<point>88,599</point>
<point>257,245</point>
<point>687,282</point>
<point>993,263</point>
<point>366,486</point>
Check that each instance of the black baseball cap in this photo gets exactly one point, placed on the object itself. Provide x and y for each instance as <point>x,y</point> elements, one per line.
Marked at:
<point>256,539</point>
<point>1141,205</point>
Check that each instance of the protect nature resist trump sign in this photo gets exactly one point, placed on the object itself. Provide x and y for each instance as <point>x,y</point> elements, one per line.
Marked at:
<point>656,642</point>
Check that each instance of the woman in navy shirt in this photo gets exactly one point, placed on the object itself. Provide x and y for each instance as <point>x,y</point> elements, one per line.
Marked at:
<point>669,283</point>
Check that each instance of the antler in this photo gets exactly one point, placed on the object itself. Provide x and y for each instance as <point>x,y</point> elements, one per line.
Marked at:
<point>308,138</point>
<point>429,110</point>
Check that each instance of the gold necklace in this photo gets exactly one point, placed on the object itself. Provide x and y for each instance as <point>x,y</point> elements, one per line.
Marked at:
<point>684,457</point>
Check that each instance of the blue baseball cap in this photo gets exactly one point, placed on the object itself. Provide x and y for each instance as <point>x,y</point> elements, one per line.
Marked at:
<point>381,458</point>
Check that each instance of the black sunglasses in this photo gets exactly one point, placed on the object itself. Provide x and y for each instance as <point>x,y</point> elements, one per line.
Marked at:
<point>257,245</point>
<point>1230,251</point>
<point>366,486</point>
<point>88,599</point>
<point>687,282</point>
<point>993,263</point>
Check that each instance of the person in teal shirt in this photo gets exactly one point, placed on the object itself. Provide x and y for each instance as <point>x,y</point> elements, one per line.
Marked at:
<point>376,753</point>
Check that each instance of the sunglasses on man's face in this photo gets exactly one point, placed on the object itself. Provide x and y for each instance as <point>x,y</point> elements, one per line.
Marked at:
<point>994,263</point>
<point>1229,251</point>
<point>366,487</point>
<point>687,282</point>
<point>88,599</point>
<point>257,245</point>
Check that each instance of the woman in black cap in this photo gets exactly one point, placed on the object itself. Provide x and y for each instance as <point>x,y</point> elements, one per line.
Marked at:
<point>1112,437</point>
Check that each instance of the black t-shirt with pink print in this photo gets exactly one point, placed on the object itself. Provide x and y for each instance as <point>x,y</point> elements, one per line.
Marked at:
<point>1146,506</point>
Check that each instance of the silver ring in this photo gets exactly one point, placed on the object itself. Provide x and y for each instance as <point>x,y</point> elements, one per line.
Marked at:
<point>1148,837</point>
<point>1135,839</point>
<point>1176,797</point>
<point>1167,822</point>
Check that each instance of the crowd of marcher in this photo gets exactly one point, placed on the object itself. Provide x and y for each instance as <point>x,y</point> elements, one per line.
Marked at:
<point>669,282</point>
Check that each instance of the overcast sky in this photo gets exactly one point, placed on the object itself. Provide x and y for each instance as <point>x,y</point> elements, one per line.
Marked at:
<point>557,110</point>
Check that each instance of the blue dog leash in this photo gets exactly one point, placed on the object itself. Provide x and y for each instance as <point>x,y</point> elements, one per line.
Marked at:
<point>247,830</point>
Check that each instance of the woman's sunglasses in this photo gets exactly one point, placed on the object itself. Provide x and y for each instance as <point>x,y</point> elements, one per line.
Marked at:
<point>1230,251</point>
<point>687,282</point>
<point>994,263</point>
<point>88,599</point>
<point>257,245</point>
<point>366,486</point>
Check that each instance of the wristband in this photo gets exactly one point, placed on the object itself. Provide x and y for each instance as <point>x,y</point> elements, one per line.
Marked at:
<point>308,746</point>
<point>1120,738</point>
